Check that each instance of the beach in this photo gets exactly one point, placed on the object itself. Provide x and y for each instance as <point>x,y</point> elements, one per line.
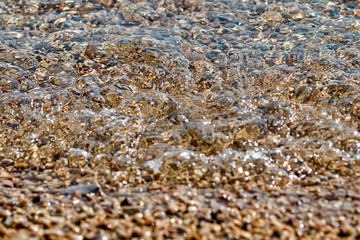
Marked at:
<point>191,119</point>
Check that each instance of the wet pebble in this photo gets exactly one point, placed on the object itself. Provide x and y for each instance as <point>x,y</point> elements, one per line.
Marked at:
<point>83,189</point>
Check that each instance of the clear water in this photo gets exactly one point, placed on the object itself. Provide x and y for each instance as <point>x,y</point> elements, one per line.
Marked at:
<point>171,90</point>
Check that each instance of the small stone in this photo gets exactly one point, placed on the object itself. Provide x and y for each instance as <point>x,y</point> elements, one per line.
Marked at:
<point>86,7</point>
<point>39,189</point>
<point>83,189</point>
<point>8,184</point>
<point>193,3</point>
<point>106,3</point>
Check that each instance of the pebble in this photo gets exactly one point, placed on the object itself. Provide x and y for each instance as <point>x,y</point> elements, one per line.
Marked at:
<point>83,189</point>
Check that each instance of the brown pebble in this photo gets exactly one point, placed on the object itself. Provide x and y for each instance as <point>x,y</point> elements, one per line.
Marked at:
<point>193,3</point>
<point>106,3</point>
<point>39,189</point>
<point>8,184</point>
<point>90,50</point>
<point>86,7</point>
<point>76,194</point>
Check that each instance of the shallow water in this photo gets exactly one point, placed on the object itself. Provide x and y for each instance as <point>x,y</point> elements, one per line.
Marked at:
<point>184,92</point>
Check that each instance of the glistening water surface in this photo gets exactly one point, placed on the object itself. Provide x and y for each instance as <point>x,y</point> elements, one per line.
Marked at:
<point>191,119</point>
